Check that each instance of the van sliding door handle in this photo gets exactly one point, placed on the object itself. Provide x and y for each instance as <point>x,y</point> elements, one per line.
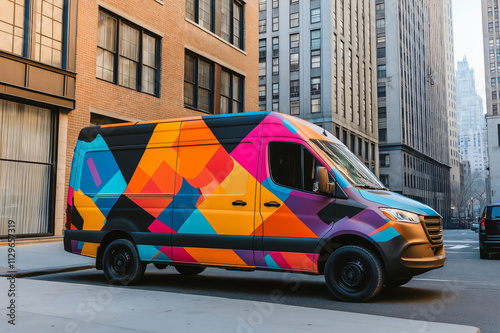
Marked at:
<point>239,203</point>
<point>272,204</point>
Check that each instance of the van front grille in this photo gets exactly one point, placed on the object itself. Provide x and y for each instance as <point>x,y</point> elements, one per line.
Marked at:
<point>434,229</point>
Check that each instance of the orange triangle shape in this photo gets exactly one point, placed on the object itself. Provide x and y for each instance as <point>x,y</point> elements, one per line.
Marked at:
<point>284,223</point>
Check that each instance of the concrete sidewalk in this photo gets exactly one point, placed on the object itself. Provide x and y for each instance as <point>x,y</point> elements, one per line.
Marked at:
<point>45,306</point>
<point>41,258</point>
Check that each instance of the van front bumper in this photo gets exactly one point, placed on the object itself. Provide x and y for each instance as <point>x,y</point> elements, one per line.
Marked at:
<point>414,253</point>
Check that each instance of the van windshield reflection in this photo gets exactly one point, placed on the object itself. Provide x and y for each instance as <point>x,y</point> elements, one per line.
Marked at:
<point>349,165</point>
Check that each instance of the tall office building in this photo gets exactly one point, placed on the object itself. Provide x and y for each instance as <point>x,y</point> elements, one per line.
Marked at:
<point>454,158</point>
<point>491,44</point>
<point>471,123</point>
<point>412,102</point>
<point>316,62</point>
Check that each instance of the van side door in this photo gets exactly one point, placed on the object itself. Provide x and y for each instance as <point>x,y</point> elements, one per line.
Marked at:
<point>214,205</point>
<point>293,216</point>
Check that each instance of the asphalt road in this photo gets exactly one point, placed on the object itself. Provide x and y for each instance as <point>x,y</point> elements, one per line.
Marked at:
<point>466,291</point>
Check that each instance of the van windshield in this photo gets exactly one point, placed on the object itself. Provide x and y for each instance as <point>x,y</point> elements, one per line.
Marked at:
<point>349,165</point>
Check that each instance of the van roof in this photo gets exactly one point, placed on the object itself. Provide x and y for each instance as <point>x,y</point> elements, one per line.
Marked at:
<point>296,126</point>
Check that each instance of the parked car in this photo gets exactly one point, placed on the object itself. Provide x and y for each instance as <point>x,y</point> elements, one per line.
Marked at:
<point>243,191</point>
<point>489,231</point>
<point>475,227</point>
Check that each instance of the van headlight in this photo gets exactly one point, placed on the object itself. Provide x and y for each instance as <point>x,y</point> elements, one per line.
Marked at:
<point>400,215</point>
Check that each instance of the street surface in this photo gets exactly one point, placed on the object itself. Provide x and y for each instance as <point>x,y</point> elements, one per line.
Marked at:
<point>466,291</point>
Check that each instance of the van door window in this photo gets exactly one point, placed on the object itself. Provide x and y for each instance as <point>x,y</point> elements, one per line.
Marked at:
<point>292,165</point>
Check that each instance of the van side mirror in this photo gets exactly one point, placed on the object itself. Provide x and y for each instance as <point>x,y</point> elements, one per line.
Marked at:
<point>322,184</point>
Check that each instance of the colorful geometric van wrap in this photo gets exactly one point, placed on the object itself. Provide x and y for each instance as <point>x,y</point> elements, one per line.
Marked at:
<point>201,191</point>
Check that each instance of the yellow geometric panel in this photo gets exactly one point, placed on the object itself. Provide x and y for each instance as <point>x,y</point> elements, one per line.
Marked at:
<point>215,256</point>
<point>218,208</point>
<point>91,215</point>
<point>89,249</point>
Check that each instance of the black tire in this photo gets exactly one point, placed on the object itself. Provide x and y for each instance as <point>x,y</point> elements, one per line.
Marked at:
<point>354,274</point>
<point>397,282</point>
<point>190,270</point>
<point>121,263</point>
<point>484,254</point>
<point>160,266</point>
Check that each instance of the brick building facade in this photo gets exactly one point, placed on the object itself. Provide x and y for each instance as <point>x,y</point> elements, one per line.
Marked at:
<point>134,60</point>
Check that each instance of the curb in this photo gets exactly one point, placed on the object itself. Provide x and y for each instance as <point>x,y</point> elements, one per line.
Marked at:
<point>38,240</point>
<point>46,271</point>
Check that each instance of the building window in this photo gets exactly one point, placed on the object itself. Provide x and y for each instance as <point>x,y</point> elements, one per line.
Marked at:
<point>276,66</point>
<point>380,23</point>
<point>12,26</point>
<point>353,144</point>
<point>379,8</point>
<point>276,91</point>
<point>382,112</point>
<point>48,32</point>
<point>315,86</point>
<point>294,88</point>
<point>276,25</point>
<point>344,137</point>
<point>294,41</point>
<point>315,39</point>
<point>381,52</point>
<point>132,70</point>
<point>276,46</point>
<point>262,26</point>
<point>27,166</point>
<point>262,48</point>
<point>276,3</point>
<point>198,82</point>
<point>315,105</point>
<point>262,5</point>
<point>316,59</point>
<point>231,93</point>
<point>494,94</point>
<point>315,15</point>
<point>495,110</point>
<point>262,94</point>
<point>381,92</point>
<point>294,20</point>
<point>385,160</point>
<point>230,19</point>
<point>381,71</point>
<point>384,179</point>
<point>493,82</point>
<point>205,14</point>
<point>498,132</point>
<point>294,107</point>
<point>294,62</point>
<point>382,134</point>
<point>129,56</point>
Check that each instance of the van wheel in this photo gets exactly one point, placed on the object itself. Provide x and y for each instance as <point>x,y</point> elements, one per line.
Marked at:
<point>190,270</point>
<point>354,274</point>
<point>484,254</point>
<point>397,282</point>
<point>121,263</point>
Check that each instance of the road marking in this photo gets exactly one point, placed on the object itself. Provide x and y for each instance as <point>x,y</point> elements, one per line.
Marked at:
<point>461,241</point>
<point>457,247</point>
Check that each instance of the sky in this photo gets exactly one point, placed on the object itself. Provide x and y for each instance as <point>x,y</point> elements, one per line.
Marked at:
<point>468,39</point>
